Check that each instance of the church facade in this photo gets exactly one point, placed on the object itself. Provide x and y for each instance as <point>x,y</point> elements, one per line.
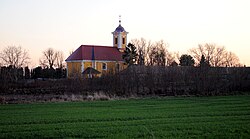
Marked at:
<point>101,59</point>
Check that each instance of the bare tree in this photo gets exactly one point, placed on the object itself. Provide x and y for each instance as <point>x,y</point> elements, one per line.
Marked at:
<point>162,51</point>
<point>207,50</point>
<point>59,59</point>
<point>49,58</point>
<point>231,60</point>
<point>148,49</point>
<point>219,57</point>
<point>158,53</point>
<point>216,56</point>
<point>172,57</point>
<point>14,56</point>
<point>141,46</point>
<point>169,58</point>
<point>152,53</point>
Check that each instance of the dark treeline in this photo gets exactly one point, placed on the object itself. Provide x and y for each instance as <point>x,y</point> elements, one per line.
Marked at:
<point>144,81</point>
<point>174,81</point>
<point>14,65</point>
<point>11,74</point>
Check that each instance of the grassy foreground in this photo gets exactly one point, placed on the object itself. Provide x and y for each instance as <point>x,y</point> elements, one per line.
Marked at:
<point>193,117</point>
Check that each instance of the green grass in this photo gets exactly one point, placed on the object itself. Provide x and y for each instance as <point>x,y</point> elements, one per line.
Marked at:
<point>190,117</point>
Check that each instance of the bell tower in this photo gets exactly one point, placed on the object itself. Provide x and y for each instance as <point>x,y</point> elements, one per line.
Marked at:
<point>120,37</point>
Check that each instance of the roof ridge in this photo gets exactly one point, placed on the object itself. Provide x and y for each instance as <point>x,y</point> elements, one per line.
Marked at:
<point>95,46</point>
<point>98,46</point>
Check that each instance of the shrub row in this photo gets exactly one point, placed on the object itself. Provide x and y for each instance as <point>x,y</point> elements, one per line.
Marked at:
<point>141,81</point>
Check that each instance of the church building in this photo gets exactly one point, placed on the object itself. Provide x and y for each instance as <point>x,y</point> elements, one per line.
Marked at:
<point>98,60</point>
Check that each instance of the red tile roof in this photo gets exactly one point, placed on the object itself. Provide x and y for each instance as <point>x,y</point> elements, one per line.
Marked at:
<point>88,52</point>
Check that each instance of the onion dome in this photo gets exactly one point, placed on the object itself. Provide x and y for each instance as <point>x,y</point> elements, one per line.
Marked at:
<point>120,28</point>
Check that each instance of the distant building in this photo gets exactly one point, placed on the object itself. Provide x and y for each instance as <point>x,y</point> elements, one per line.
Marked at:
<point>105,59</point>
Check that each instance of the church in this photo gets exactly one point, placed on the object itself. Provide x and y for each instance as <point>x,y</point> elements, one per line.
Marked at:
<point>94,60</point>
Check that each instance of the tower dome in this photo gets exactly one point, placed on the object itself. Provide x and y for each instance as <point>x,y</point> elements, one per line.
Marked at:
<point>120,37</point>
<point>119,28</point>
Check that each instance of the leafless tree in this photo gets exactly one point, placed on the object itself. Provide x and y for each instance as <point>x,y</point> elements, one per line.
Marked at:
<point>172,57</point>
<point>207,50</point>
<point>162,51</point>
<point>59,59</point>
<point>153,53</point>
<point>157,53</point>
<point>148,49</point>
<point>169,58</point>
<point>231,60</point>
<point>141,46</point>
<point>14,56</point>
<point>49,58</point>
<point>216,56</point>
<point>219,57</point>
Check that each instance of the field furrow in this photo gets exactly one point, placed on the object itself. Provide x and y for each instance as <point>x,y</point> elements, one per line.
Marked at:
<point>180,117</point>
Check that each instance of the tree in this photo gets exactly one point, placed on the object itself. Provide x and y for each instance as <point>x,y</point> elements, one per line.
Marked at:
<point>157,53</point>
<point>27,72</point>
<point>203,62</point>
<point>150,54</point>
<point>141,46</point>
<point>49,58</point>
<point>186,60</point>
<point>161,53</point>
<point>59,59</point>
<point>207,50</point>
<point>231,60</point>
<point>173,64</point>
<point>37,72</point>
<point>130,54</point>
<point>14,56</point>
<point>216,56</point>
<point>172,58</point>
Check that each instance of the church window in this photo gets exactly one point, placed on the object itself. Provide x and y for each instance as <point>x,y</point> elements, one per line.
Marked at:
<point>123,40</point>
<point>104,66</point>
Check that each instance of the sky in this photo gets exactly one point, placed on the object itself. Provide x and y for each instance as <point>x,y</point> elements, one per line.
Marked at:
<point>66,24</point>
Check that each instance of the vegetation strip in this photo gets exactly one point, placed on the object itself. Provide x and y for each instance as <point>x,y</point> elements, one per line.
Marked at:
<point>170,117</point>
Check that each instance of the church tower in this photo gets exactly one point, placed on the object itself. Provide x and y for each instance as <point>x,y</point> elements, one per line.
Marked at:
<point>120,37</point>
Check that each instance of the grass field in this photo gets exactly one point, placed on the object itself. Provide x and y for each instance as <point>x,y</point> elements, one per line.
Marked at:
<point>173,117</point>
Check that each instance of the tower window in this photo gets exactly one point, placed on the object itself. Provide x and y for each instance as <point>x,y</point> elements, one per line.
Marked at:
<point>123,40</point>
<point>116,40</point>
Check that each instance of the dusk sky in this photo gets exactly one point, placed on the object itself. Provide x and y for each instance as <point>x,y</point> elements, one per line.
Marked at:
<point>66,24</point>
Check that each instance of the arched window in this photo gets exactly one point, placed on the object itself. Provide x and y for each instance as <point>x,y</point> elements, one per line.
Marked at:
<point>116,40</point>
<point>123,40</point>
